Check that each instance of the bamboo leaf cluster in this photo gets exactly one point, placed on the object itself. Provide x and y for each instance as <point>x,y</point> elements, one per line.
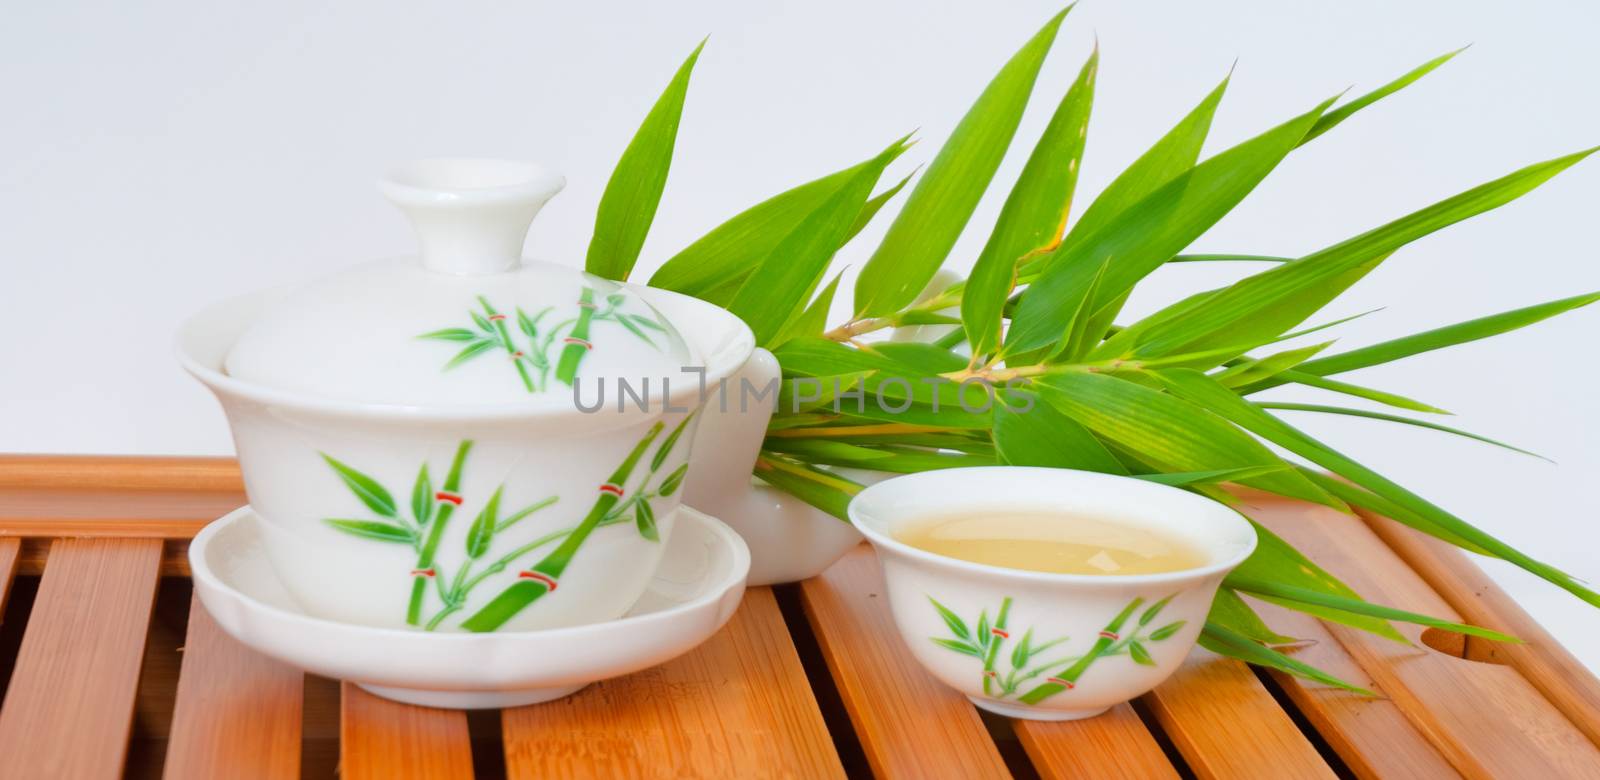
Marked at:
<point>1069,378</point>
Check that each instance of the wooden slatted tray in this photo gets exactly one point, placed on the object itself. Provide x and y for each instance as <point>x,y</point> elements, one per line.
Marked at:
<point>110,668</point>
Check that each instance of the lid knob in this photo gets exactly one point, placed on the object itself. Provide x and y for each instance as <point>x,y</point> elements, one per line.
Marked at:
<point>471,215</point>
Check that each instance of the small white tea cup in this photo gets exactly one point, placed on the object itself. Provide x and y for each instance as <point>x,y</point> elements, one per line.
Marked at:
<point>1038,645</point>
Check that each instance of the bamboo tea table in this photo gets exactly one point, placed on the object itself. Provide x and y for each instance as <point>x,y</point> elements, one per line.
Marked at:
<point>110,668</point>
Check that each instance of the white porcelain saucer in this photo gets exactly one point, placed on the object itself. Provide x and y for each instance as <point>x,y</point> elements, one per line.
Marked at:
<point>696,590</point>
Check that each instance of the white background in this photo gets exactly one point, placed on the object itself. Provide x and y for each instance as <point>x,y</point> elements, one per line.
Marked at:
<point>159,155</point>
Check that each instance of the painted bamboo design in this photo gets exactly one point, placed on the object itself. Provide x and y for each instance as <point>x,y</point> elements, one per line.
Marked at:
<point>446,501</point>
<point>532,361</point>
<point>432,509</point>
<point>577,342</point>
<point>544,577</point>
<point>1061,674</point>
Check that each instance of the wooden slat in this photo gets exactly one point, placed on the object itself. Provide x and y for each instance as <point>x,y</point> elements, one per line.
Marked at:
<point>10,556</point>
<point>238,712</point>
<point>1520,735</point>
<point>69,707</point>
<point>1371,735</point>
<point>1227,725</point>
<point>909,724</point>
<point>121,472</point>
<point>35,553</point>
<point>737,706</point>
<point>1543,661</point>
<point>381,739</point>
<point>1105,747</point>
<point>140,514</point>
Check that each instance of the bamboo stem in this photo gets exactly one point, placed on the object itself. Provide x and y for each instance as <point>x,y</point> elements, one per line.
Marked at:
<point>452,483</point>
<point>850,330</point>
<point>519,595</point>
<point>1108,637</point>
<point>505,342</point>
<point>572,354</point>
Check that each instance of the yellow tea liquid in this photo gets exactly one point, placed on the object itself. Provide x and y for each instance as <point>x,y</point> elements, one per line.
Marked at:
<point>1055,542</point>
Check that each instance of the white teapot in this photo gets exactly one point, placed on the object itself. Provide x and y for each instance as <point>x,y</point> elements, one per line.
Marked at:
<point>464,440</point>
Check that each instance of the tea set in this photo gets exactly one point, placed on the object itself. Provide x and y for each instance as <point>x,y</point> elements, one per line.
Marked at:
<point>477,480</point>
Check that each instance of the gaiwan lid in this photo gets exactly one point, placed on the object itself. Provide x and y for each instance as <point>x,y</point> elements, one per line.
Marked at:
<point>467,322</point>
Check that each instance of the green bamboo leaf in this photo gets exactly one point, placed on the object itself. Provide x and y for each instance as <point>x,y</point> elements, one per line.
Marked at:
<point>1276,560</point>
<point>645,322</point>
<point>1337,115</point>
<point>1293,407</point>
<point>964,648</point>
<point>1381,396</point>
<point>1362,498</point>
<point>1257,369</point>
<point>1228,259</point>
<point>929,359</point>
<point>1212,477</point>
<point>1170,434</point>
<point>1277,299</point>
<point>422,502</point>
<point>1278,592</point>
<point>471,351</point>
<point>634,191</point>
<point>1438,338</point>
<point>823,357</point>
<point>1043,436</point>
<point>1226,642</point>
<point>1230,611</point>
<point>827,451</point>
<point>1034,214</point>
<point>828,492</point>
<point>813,396</point>
<point>896,460</point>
<point>814,320</point>
<point>779,287</point>
<point>984,637</point>
<point>945,416</point>
<point>876,203</point>
<point>669,443</point>
<point>481,533</point>
<point>1154,610</point>
<point>364,487</point>
<point>1023,650</point>
<point>1170,156</point>
<point>714,267</point>
<point>530,325</point>
<point>673,480</point>
<point>960,441</point>
<point>914,317</point>
<point>1140,655</point>
<point>644,518</point>
<point>1167,630</point>
<point>634,329</point>
<point>1082,330</point>
<point>481,322</point>
<point>1202,390</point>
<point>951,619</point>
<point>1144,236</point>
<point>373,529</point>
<point>450,334</point>
<point>934,215</point>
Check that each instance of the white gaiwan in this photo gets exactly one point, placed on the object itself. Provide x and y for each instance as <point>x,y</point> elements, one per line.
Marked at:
<point>464,440</point>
